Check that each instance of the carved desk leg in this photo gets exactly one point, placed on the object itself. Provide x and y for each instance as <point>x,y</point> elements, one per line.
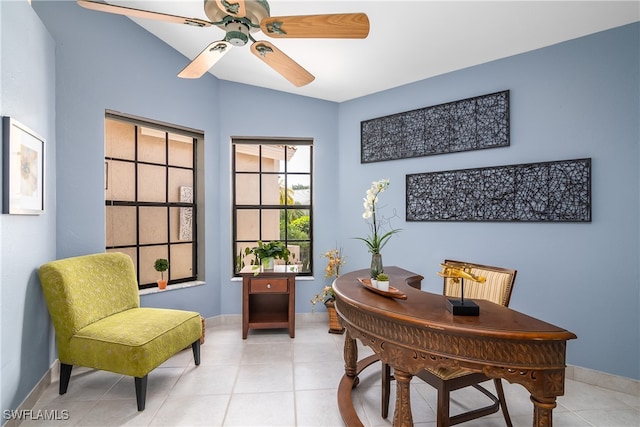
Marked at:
<point>545,387</point>
<point>348,382</point>
<point>402,416</point>
<point>351,357</point>
<point>542,411</point>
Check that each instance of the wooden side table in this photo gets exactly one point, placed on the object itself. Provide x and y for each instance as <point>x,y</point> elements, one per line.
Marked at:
<point>268,301</point>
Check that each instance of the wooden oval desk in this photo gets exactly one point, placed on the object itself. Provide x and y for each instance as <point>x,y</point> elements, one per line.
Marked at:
<point>419,332</point>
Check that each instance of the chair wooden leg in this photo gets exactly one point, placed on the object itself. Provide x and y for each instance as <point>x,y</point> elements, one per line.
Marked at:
<point>386,389</point>
<point>443,405</point>
<point>196,351</point>
<point>503,402</point>
<point>141,391</point>
<point>65,375</point>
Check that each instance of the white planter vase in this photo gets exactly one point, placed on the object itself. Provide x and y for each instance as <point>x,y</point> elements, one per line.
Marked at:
<point>383,285</point>
<point>267,264</point>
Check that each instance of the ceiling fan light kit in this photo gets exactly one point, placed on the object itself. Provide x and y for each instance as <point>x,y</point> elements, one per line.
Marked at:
<point>240,18</point>
<point>237,33</point>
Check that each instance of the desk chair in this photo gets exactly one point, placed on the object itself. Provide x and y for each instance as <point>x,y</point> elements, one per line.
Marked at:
<point>95,308</point>
<point>497,288</point>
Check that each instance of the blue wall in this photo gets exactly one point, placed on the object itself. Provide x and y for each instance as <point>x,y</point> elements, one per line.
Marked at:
<point>572,100</point>
<point>576,99</point>
<point>27,93</point>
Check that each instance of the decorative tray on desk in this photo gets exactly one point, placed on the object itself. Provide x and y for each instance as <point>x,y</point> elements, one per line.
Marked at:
<point>391,293</point>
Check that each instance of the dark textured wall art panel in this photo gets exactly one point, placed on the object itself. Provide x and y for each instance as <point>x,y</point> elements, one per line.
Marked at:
<point>558,191</point>
<point>469,124</point>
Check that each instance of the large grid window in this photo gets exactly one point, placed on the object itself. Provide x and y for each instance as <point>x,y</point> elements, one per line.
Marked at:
<point>150,198</point>
<point>272,194</point>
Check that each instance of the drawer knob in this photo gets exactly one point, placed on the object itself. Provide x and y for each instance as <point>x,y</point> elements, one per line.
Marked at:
<point>268,285</point>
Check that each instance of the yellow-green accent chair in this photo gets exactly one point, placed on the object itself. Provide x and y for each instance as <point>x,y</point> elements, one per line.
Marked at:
<point>95,308</point>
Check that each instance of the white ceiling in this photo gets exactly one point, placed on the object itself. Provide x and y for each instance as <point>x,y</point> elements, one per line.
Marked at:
<point>408,40</point>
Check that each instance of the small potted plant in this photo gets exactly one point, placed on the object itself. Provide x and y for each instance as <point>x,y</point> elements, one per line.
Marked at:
<point>383,282</point>
<point>161,265</point>
<point>327,296</point>
<point>268,252</point>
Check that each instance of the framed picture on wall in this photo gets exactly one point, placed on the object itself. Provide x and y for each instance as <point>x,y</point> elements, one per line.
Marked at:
<point>23,169</point>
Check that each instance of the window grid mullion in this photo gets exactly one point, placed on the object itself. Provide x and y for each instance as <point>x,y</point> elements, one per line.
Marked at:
<point>286,194</point>
<point>260,181</point>
<point>166,199</point>
<point>137,200</point>
<point>194,210</point>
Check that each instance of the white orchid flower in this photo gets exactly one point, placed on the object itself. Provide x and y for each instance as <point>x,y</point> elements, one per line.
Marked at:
<point>375,242</point>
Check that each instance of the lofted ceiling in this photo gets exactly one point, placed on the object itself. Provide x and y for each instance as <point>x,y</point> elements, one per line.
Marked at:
<point>408,40</point>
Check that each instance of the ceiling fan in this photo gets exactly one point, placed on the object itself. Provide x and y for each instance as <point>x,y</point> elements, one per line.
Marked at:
<point>240,18</point>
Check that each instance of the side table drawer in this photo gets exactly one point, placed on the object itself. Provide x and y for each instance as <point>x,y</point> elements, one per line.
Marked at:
<point>264,285</point>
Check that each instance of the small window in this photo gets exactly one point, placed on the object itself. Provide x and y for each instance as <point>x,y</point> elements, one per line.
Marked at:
<point>150,188</point>
<point>272,199</point>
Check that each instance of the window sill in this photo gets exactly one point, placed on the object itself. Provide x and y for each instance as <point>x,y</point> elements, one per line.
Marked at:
<point>301,278</point>
<point>175,287</point>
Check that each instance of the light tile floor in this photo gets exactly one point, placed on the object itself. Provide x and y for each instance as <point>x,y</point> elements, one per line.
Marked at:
<point>272,380</point>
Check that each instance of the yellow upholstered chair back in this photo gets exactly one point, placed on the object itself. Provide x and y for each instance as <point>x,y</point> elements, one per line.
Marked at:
<point>496,288</point>
<point>82,290</point>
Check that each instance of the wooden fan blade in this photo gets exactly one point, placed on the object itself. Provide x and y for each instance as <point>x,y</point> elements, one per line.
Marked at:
<point>232,7</point>
<point>339,26</point>
<point>205,60</point>
<point>279,61</point>
<point>138,13</point>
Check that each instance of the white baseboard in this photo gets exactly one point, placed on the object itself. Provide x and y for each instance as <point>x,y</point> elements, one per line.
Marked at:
<point>36,392</point>
<point>603,379</point>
